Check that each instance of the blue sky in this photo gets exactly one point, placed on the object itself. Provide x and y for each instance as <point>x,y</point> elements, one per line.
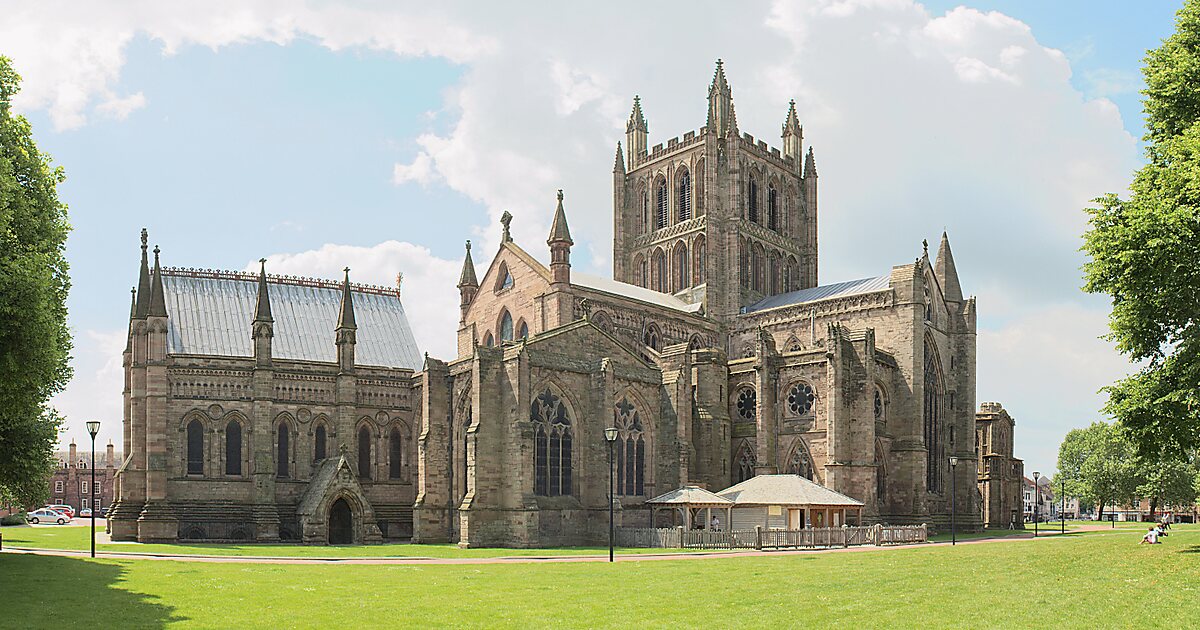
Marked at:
<point>381,136</point>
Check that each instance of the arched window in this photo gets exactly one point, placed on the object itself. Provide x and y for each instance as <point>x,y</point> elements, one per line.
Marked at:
<point>694,344</point>
<point>488,340</point>
<point>233,448</point>
<point>195,448</point>
<point>772,274</point>
<point>879,405</point>
<point>660,210</point>
<point>364,453</point>
<point>699,251</point>
<point>659,272</point>
<point>552,445</point>
<point>772,208</point>
<point>800,463</point>
<point>647,226</point>
<point>651,337</point>
<point>506,327</point>
<point>752,200</point>
<point>281,459</point>
<point>685,196</point>
<point>319,443</point>
<point>395,453</point>
<point>523,331</point>
<point>745,264</point>
<point>630,450</point>
<point>602,321</point>
<point>682,276</point>
<point>746,461</point>
<point>504,279</point>
<point>640,264</point>
<point>756,274</point>
<point>933,418</point>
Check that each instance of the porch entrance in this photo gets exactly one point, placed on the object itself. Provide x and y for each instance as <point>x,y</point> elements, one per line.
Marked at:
<point>341,523</point>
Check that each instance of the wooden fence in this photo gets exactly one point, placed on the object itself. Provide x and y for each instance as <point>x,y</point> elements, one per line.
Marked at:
<point>758,538</point>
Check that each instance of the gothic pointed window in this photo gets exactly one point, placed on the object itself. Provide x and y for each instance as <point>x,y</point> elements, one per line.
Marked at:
<point>756,272</point>
<point>233,448</point>
<point>772,208</point>
<point>395,453</point>
<point>752,200</point>
<point>701,252</point>
<point>488,340</point>
<point>364,453</point>
<point>660,209</point>
<point>880,475</point>
<point>281,455</point>
<point>660,271</point>
<point>745,463</point>
<point>685,196</point>
<point>651,337</point>
<point>552,447</point>
<point>682,277</point>
<point>647,226</point>
<point>933,418</point>
<point>800,399</point>
<point>630,449</point>
<point>747,404</point>
<point>504,279</point>
<point>506,327</point>
<point>523,331</point>
<point>878,405</point>
<point>195,448</point>
<point>643,280</point>
<point>319,443</point>
<point>800,463</point>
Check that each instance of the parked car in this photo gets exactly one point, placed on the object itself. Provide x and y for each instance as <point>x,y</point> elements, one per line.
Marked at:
<point>47,515</point>
<point>66,509</point>
<point>85,513</point>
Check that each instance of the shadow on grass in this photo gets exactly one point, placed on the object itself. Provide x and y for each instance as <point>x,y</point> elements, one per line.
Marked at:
<point>1192,549</point>
<point>75,588</point>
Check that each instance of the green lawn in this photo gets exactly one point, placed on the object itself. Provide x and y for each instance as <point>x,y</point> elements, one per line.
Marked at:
<point>1099,579</point>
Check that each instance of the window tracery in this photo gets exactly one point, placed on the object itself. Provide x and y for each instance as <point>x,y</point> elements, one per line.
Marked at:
<point>630,449</point>
<point>800,399</point>
<point>552,445</point>
<point>747,404</point>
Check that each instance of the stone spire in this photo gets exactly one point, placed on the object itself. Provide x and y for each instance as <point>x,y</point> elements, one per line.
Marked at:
<point>793,134</point>
<point>721,118</point>
<point>946,273</point>
<point>347,330</point>
<point>262,310</point>
<point>158,301</point>
<point>619,162</point>
<point>810,164</point>
<point>636,133</point>
<point>143,288</point>
<point>560,246</point>
<point>132,316</point>
<point>346,315</point>
<point>467,277</point>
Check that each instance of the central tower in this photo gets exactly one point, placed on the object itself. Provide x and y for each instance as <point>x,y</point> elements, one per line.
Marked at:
<point>715,216</point>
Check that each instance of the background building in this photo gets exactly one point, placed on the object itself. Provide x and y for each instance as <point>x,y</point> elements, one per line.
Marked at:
<point>72,483</point>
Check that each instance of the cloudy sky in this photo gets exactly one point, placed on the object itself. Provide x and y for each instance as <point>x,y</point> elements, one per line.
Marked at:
<point>381,135</point>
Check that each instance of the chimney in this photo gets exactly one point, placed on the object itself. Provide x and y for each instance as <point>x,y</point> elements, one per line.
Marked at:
<point>108,455</point>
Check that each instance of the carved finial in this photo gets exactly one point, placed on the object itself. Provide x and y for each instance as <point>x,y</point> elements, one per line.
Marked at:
<point>156,250</point>
<point>925,245</point>
<point>506,221</point>
<point>399,280</point>
<point>468,244</point>
<point>585,307</point>
<point>560,196</point>
<point>145,237</point>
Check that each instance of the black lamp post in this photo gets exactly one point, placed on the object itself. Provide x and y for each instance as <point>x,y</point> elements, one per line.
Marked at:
<point>1037,499</point>
<point>93,427</point>
<point>1062,511</point>
<point>610,436</point>
<point>953,533</point>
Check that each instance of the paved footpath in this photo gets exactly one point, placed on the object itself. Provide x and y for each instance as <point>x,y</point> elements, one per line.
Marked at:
<point>421,560</point>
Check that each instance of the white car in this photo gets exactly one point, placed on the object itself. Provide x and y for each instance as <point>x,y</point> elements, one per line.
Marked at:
<point>49,516</point>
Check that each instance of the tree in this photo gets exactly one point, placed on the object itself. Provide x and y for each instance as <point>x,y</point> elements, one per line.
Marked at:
<point>1145,253</point>
<point>35,343</point>
<point>1097,464</point>
<point>1169,481</point>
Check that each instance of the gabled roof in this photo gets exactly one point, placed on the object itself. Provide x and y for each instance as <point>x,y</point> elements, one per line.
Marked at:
<point>690,495</point>
<point>825,292</point>
<point>211,313</point>
<point>634,292</point>
<point>784,490</point>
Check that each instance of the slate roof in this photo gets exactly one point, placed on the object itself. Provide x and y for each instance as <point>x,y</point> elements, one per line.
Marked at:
<point>210,313</point>
<point>690,495</point>
<point>784,490</point>
<point>840,289</point>
<point>634,292</point>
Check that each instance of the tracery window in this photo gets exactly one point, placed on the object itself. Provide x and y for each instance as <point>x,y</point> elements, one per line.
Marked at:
<point>800,399</point>
<point>800,463</point>
<point>233,448</point>
<point>651,337</point>
<point>364,453</point>
<point>319,443</point>
<point>630,450</point>
<point>506,327</point>
<point>746,462</point>
<point>772,208</point>
<point>195,448</point>
<point>878,405</point>
<point>660,217</point>
<point>681,267</point>
<point>551,445</point>
<point>752,200</point>
<point>747,404</point>
<point>933,418</point>
<point>505,278</point>
<point>523,333</point>
<point>395,453</point>
<point>281,458</point>
<point>685,196</point>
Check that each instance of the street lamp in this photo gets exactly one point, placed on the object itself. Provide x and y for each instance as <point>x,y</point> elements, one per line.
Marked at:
<point>1037,499</point>
<point>1062,510</point>
<point>953,535</point>
<point>93,427</point>
<point>610,436</point>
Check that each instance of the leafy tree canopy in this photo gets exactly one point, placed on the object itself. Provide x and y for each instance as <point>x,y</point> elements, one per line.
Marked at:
<point>35,343</point>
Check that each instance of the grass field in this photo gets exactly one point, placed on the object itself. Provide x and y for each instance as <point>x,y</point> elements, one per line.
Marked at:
<point>1096,579</point>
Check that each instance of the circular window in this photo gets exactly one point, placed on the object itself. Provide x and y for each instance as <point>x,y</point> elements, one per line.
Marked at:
<point>800,399</point>
<point>747,401</point>
<point>878,406</point>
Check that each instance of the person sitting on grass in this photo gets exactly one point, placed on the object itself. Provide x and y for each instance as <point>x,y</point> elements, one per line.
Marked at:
<point>1162,531</point>
<point>1151,537</point>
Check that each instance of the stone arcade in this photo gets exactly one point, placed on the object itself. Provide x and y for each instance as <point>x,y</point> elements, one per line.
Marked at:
<point>273,408</point>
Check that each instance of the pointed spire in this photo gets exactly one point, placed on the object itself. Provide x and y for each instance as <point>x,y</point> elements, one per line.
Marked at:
<point>945,271</point>
<point>619,161</point>
<point>143,290</point>
<point>792,122</point>
<point>346,317</point>
<point>793,136</point>
<point>558,230</point>
<point>262,310</point>
<point>721,119</point>
<point>158,301</point>
<point>467,277</point>
<point>132,302</point>
<point>637,121</point>
<point>810,165</point>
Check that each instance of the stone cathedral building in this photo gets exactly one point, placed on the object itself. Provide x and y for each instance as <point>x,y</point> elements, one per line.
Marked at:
<point>273,408</point>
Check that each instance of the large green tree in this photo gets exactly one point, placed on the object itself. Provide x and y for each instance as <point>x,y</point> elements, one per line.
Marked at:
<point>35,343</point>
<point>1098,465</point>
<point>1170,480</point>
<point>1144,252</point>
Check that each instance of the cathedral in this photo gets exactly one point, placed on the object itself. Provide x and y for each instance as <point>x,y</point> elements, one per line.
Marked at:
<point>262,407</point>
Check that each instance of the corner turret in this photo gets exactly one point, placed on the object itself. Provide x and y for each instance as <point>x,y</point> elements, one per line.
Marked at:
<point>636,133</point>
<point>347,330</point>
<point>560,246</point>
<point>721,118</point>
<point>468,285</point>
<point>263,327</point>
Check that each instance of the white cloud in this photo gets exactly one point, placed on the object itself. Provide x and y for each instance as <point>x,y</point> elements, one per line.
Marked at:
<point>120,108</point>
<point>420,170</point>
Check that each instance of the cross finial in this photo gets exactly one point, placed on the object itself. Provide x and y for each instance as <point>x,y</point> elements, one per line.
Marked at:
<point>399,279</point>
<point>145,237</point>
<point>560,194</point>
<point>468,244</point>
<point>506,221</point>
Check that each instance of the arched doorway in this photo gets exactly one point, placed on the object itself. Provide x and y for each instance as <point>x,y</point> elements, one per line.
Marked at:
<point>341,523</point>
